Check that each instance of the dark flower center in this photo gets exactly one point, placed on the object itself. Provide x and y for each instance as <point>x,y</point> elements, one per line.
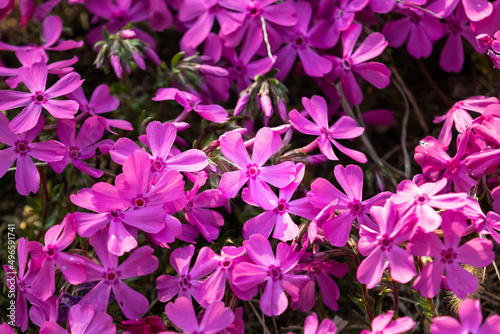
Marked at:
<point>253,171</point>
<point>275,273</point>
<point>422,199</point>
<point>448,256</point>
<point>21,147</point>
<point>385,243</point>
<point>74,152</point>
<point>185,282</point>
<point>346,64</point>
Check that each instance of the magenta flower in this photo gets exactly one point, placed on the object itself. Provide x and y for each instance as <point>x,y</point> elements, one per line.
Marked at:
<point>383,325</point>
<point>448,256</point>
<point>147,325</point>
<point>251,170</point>
<point>437,164</point>
<point>344,128</point>
<point>419,29</point>
<point>82,319</point>
<point>35,78</point>
<point>320,271</point>
<point>5,328</point>
<point>326,197</point>
<point>327,326</point>
<point>212,112</point>
<point>57,238</point>
<point>109,277</point>
<point>100,102</point>
<point>487,159</point>
<point>278,209</point>
<point>216,317</point>
<point>475,10</point>
<point>421,200</point>
<point>188,281</point>
<point>376,73</point>
<point>273,270</point>
<point>81,148</point>
<point>22,148</point>
<point>212,289</point>
<point>160,138</point>
<point>471,317</point>
<point>380,244</point>
<point>300,39</point>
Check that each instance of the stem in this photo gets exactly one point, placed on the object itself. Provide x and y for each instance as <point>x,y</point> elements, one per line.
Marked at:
<point>420,264</point>
<point>364,290</point>
<point>45,192</point>
<point>406,117</point>
<point>184,114</point>
<point>266,39</point>
<point>259,318</point>
<point>395,293</point>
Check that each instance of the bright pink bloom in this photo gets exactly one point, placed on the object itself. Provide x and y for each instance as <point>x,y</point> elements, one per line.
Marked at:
<point>140,262</point>
<point>487,159</point>
<point>300,39</point>
<point>448,256</point>
<point>100,102</point>
<point>383,325</point>
<point>251,170</point>
<point>160,138</point>
<point>212,112</point>
<point>327,326</point>
<point>216,317</point>
<point>274,270</point>
<point>82,319</point>
<point>212,289</point>
<point>5,328</point>
<point>326,197</point>
<point>57,238</point>
<point>22,149</point>
<point>278,209</point>
<point>380,244</point>
<point>188,281</point>
<point>376,73</point>
<point>475,10</point>
<point>421,200</point>
<point>471,317</point>
<point>344,128</point>
<point>35,78</point>
<point>419,29</point>
<point>81,148</point>
<point>146,325</point>
<point>437,164</point>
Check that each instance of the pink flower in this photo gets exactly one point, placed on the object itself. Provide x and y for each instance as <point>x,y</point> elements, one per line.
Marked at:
<point>421,200</point>
<point>188,281</point>
<point>251,170</point>
<point>380,244</point>
<point>146,325</point>
<point>376,73</point>
<point>327,326</point>
<point>344,128</point>
<point>216,317</point>
<point>21,148</point>
<point>273,270</point>
<point>35,78</point>
<point>448,256</point>
<point>383,325</point>
<point>82,319</point>
<point>471,317</point>
<point>326,197</point>
<point>109,277</point>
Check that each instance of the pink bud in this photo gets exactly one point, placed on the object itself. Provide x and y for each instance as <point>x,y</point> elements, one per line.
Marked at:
<point>240,105</point>
<point>495,58</point>
<point>267,106</point>
<point>128,34</point>
<point>484,40</point>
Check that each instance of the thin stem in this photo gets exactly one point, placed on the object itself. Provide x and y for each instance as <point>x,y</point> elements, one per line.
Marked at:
<point>406,117</point>
<point>259,318</point>
<point>364,290</point>
<point>395,292</point>
<point>45,192</point>
<point>266,39</point>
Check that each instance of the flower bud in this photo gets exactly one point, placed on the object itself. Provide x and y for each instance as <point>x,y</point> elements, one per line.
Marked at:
<point>128,34</point>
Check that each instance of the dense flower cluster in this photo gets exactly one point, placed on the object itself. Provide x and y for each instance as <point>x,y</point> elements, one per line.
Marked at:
<point>142,204</point>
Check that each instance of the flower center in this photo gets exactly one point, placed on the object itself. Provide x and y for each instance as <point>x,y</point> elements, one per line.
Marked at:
<point>111,277</point>
<point>356,207</point>
<point>50,252</point>
<point>253,171</point>
<point>38,97</point>
<point>275,273</point>
<point>415,18</point>
<point>448,256</point>
<point>21,147</point>
<point>158,165</point>
<point>115,215</point>
<point>226,264</point>
<point>455,27</point>
<point>74,152</point>
<point>185,282</point>
<point>385,243</point>
<point>346,64</point>
<point>421,199</point>
<point>254,10</point>
<point>139,201</point>
<point>282,207</point>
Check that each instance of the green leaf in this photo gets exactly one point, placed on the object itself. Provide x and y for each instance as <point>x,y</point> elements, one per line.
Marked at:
<point>176,58</point>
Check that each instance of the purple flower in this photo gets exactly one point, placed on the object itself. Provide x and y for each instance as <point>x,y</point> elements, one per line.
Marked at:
<point>22,148</point>
<point>35,78</point>
<point>274,270</point>
<point>383,325</point>
<point>216,317</point>
<point>376,73</point>
<point>82,319</point>
<point>448,256</point>
<point>344,128</point>
<point>471,317</point>
<point>327,326</point>
<point>140,262</point>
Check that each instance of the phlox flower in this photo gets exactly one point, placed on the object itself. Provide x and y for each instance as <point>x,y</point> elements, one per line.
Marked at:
<point>419,29</point>
<point>82,319</point>
<point>380,244</point>
<point>376,73</point>
<point>275,271</point>
<point>21,149</point>
<point>146,325</point>
<point>5,328</point>
<point>35,78</point>
<point>477,252</point>
<point>475,10</point>
<point>325,196</point>
<point>421,200</point>
<point>216,318</point>
<point>81,148</point>
<point>212,289</point>
<point>487,158</point>
<point>471,319</point>
<point>110,275</point>
<point>383,325</point>
<point>278,210</point>
<point>311,324</point>
<point>251,170</point>
<point>188,281</point>
<point>344,128</point>
<point>57,238</point>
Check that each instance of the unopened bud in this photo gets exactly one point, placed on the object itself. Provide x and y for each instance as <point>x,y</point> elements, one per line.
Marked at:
<point>241,104</point>
<point>267,105</point>
<point>212,70</point>
<point>128,34</point>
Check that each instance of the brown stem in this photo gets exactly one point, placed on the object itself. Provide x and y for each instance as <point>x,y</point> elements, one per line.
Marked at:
<point>364,290</point>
